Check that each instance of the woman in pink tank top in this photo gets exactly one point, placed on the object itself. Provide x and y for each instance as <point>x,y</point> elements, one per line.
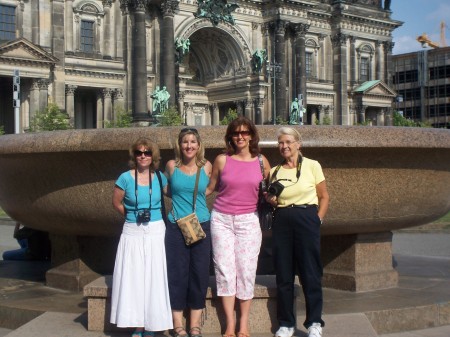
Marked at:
<point>235,230</point>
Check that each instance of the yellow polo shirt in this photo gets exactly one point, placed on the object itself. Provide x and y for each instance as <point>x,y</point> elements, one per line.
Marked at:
<point>302,192</point>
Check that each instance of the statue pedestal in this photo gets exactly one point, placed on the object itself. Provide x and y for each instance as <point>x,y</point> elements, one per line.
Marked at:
<point>358,262</point>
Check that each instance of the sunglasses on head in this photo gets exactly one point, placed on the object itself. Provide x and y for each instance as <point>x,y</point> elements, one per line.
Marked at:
<point>243,133</point>
<point>193,130</point>
<point>138,153</point>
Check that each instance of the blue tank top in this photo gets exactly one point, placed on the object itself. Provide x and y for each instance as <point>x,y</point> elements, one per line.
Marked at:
<point>126,183</point>
<point>182,188</point>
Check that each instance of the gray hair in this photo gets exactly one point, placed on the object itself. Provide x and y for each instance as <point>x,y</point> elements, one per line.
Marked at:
<point>285,130</point>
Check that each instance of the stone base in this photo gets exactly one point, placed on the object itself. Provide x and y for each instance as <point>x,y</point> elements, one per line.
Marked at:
<point>262,314</point>
<point>358,262</point>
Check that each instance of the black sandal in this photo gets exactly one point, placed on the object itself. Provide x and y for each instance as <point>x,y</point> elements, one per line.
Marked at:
<point>198,334</point>
<point>177,330</point>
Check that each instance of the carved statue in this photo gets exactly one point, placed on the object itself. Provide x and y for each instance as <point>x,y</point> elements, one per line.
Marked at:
<point>295,112</point>
<point>160,99</point>
<point>387,5</point>
<point>164,96</point>
<point>259,57</point>
<point>216,11</point>
<point>182,48</point>
<point>156,99</point>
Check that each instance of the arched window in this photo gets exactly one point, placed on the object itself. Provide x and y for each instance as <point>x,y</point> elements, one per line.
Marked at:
<point>365,56</point>
<point>311,58</point>
<point>7,23</point>
<point>88,18</point>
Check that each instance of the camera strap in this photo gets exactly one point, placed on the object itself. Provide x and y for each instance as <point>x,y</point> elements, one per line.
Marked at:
<point>149,188</point>
<point>299,169</point>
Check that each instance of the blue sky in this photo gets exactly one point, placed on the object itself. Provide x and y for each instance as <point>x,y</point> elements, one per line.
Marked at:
<point>419,16</point>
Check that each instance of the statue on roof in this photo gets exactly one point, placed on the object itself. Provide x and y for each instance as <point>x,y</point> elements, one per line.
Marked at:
<point>216,11</point>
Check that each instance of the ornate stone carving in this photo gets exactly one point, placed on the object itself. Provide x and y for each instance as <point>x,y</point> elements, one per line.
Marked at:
<point>70,89</point>
<point>339,40</point>
<point>301,29</point>
<point>388,46</point>
<point>216,11</point>
<point>168,7</point>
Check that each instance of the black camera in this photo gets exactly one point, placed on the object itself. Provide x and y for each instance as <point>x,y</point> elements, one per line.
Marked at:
<point>143,216</point>
<point>275,188</point>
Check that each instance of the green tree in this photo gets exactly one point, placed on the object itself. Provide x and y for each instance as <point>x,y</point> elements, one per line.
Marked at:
<point>231,115</point>
<point>170,117</point>
<point>2,130</point>
<point>52,118</point>
<point>123,119</point>
<point>280,121</point>
<point>399,120</point>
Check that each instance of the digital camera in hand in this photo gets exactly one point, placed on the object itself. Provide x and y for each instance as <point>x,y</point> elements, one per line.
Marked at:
<point>143,216</point>
<point>275,188</point>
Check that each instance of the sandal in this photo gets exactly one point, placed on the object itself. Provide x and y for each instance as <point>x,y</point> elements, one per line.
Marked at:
<point>136,333</point>
<point>242,334</point>
<point>198,334</point>
<point>177,330</point>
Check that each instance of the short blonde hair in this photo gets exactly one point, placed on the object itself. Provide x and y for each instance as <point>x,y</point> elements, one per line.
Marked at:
<point>149,146</point>
<point>285,130</point>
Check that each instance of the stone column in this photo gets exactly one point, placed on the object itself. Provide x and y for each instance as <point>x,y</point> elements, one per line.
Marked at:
<point>119,22</point>
<point>181,96</point>
<point>215,114</point>
<point>339,41</point>
<point>168,8</point>
<point>388,46</point>
<point>107,104</point>
<point>139,61</point>
<point>280,83</point>
<point>58,46</point>
<point>380,118</point>
<point>378,68</point>
<point>43,94</point>
<point>239,108</point>
<point>107,42</point>
<point>352,60</point>
<point>19,13</point>
<point>70,102</point>
<point>249,109</point>
<point>118,101</point>
<point>34,98</point>
<point>35,21</point>
<point>300,55</point>
<point>259,111</point>
<point>100,119</point>
<point>322,62</point>
<point>361,110</point>
<point>320,111</point>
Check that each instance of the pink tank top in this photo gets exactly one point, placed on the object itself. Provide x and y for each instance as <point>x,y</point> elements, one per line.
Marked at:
<point>238,187</point>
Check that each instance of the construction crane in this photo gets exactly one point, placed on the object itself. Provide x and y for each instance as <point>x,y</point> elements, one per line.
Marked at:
<point>425,41</point>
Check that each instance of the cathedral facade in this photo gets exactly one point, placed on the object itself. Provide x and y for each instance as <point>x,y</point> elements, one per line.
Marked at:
<point>94,58</point>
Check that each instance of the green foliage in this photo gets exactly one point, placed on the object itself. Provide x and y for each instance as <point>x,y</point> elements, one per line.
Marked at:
<point>51,119</point>
<point>366,122</point>
<point>399,120</point>
<point>325,121</point>
<point>170,117</point>
<point>280,121</point>
<point>2,130</point>
<point>231,115</point>
<point>123,119</point>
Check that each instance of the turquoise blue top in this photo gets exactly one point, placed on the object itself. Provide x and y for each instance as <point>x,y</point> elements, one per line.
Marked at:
<point>182,188</point>
<point>126,182</point>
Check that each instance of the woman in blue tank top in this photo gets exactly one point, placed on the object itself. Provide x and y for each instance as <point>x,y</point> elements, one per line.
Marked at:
<point>188,266</point>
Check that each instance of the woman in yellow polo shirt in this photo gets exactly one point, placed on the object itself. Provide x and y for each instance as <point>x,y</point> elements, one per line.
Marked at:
<point>299,193</point>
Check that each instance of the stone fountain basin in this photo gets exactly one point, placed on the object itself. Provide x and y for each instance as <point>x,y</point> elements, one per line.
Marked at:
<point>379,178</point>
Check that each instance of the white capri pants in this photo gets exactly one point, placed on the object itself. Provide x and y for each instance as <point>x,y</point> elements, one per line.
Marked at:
<point>236,241</point>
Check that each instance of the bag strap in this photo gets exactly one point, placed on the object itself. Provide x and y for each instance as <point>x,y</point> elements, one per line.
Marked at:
<point>163,205</point>
<point>261,165</point>
<point>197,178</point>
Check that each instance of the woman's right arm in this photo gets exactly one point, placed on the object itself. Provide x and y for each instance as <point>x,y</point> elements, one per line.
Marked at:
<point>170,167</point>
<point>118,195</point>
<point>218,165</point>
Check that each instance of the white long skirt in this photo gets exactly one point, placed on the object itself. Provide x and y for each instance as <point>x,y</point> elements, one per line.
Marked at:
<point>140,293</point>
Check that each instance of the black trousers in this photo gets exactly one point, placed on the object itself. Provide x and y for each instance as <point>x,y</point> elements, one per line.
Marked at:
<point>187,268</point>
<point>296,244</point>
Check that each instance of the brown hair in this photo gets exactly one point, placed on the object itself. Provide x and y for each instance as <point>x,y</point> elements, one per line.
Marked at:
<point>148,145</point>
<point>232,126</point>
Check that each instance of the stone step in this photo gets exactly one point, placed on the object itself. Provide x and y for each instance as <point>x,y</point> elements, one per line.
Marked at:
<point>56,324</point>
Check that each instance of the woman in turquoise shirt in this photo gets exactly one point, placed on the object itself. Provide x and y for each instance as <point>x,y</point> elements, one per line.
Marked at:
<point>188,266</point>
<point>140,294</point>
